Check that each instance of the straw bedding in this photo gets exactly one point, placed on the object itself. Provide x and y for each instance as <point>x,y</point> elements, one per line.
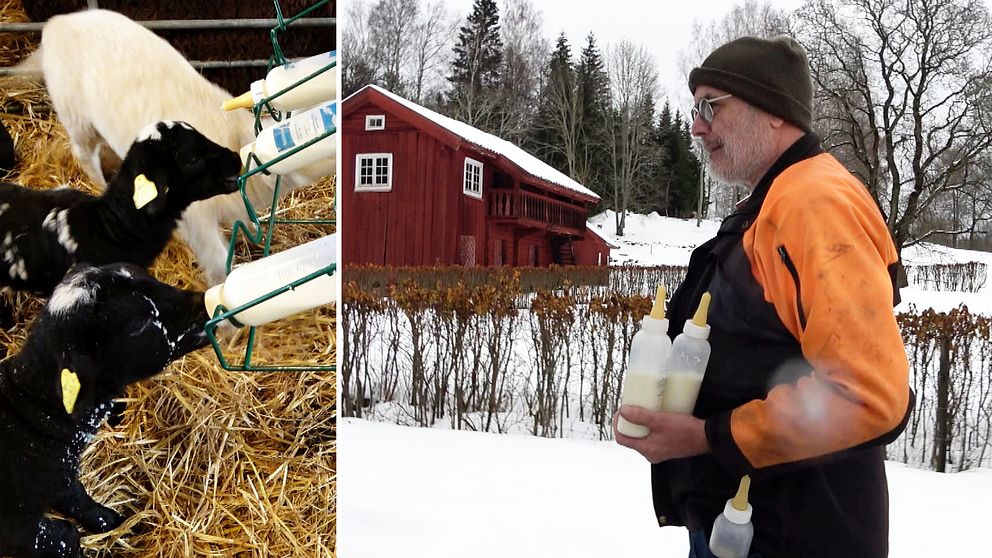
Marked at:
<point>206,462</point>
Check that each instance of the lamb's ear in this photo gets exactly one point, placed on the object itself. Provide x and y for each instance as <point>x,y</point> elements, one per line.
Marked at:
<point>150,194</point>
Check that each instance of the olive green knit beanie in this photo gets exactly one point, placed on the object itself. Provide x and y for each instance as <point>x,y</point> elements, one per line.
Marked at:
<point>771,74</point>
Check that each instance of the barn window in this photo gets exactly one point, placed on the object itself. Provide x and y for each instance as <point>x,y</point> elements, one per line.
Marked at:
<point>473,178</point>
<point>374,172</point>
<point>375,122</point>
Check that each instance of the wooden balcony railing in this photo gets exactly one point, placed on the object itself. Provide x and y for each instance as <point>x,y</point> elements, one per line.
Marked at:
<point>517,204</point>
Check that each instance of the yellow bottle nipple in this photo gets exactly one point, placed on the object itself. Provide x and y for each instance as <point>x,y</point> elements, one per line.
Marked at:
<point>699,318</point>
<point>241,101</point>
<point>658,310</point>
<point>740,500</point>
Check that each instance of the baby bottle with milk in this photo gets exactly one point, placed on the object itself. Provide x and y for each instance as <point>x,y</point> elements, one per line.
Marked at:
<point>265,275</point>
<point>690,353</point>
<point>732,530</point>
<point>320,87</point>
<point>649,349</point>
<point>303,127</point>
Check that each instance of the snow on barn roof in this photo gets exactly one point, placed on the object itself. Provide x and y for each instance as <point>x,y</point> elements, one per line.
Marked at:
<point>527,162</point>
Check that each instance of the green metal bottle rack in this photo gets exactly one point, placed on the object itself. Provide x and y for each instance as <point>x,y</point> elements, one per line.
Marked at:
<point>258,234</point>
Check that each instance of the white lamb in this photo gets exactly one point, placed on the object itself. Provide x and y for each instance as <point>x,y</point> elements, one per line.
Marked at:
<point>108,77</point>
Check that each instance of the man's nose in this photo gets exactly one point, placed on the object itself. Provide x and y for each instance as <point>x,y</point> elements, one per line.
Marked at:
<point>699,126</point>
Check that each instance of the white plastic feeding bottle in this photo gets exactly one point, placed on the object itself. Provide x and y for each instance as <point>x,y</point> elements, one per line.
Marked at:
<point>321,87</point>
<point>263,276</point>
<point>732,530</point>
<point>649,349</point>
<point>690,353</point>
<point>294,132</point>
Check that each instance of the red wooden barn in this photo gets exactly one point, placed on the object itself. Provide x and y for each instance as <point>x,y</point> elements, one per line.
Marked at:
<point>419,188</point>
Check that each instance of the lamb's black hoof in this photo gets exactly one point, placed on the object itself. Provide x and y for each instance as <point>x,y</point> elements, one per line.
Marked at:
<point>100,519</point>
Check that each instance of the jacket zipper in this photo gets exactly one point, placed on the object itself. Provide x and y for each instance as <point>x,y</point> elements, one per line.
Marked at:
<point>795,278</point>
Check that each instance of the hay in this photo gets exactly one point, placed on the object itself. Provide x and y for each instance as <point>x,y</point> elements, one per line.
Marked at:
<point>205,462</point>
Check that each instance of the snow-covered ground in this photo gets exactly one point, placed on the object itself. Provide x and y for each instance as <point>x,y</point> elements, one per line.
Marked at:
<point>656,240</point>
<point>428,493</point>
<point>437,493</point>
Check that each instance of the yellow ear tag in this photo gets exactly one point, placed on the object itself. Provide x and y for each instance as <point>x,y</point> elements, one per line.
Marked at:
<point>144,191</point>
<point>70,389</point>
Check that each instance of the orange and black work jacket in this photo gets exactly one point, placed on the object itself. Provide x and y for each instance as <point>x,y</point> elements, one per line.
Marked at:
<point>808,377</point>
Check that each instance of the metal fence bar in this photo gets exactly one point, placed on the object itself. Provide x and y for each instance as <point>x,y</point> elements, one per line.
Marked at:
<point>185,24</point>
<point>198,64</point>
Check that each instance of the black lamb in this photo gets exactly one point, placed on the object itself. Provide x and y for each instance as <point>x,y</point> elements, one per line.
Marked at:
<point>169,166</point>
<point>102,329</point>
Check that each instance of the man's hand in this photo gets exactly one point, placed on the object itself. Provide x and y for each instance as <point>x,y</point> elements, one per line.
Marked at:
<point>671,436</point>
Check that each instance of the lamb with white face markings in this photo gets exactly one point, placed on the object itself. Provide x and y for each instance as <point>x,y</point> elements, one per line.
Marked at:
<point>46,231</point>
<point>103,329</point>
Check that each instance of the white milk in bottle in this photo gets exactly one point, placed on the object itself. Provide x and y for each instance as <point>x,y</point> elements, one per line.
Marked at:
<point>319,87</point>
<point>253,280</point>
<point>649,349</point>
<point>690,354</point>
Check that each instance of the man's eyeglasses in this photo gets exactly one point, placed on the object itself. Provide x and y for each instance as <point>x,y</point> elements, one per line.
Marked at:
<point>704,108</point>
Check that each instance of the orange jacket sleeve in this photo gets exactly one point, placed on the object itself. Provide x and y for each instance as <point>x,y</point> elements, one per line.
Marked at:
<point>822,220</point>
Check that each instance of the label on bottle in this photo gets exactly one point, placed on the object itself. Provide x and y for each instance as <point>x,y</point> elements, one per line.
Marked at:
<point>313,62</point>
<point>304,127</point>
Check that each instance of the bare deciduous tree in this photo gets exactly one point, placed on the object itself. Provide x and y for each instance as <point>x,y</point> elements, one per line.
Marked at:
<point>431,43</point>
<point>560,123</point>
<point>525,51</point>
<point>392,23</point>
<point>633,86</point>
<point>903,97</point>
<point>398,44</point>
<point>358,67</point>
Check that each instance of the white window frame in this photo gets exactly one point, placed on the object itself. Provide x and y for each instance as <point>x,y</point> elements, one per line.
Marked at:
<point>474,165</point>
<point>375,122</point>
<point>373,187</point>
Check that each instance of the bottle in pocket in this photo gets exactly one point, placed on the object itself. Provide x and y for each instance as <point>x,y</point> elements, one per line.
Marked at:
<point>732,530</point>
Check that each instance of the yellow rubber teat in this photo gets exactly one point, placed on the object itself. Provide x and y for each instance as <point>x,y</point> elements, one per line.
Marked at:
<point>740,500</point>
<point>658,310</point>
<point>704,306</point>
<point>241,101</point>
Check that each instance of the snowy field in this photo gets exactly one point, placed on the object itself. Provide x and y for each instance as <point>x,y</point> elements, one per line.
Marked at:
<point>427,493</point>
<point>438,493</point>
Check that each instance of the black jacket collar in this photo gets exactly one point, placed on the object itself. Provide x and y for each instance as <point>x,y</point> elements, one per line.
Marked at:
<point>804,148</point>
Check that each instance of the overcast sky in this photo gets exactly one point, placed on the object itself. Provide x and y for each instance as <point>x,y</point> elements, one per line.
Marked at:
<point>663,28</point>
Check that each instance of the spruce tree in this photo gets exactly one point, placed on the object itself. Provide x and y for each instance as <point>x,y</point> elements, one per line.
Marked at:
<point>475,70</point>
<point>689,167</point>
<point>593,86</point>
<point>665,140</point>
<point>556,133</point>
<point>684,169</point>
<point>644,196</point>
